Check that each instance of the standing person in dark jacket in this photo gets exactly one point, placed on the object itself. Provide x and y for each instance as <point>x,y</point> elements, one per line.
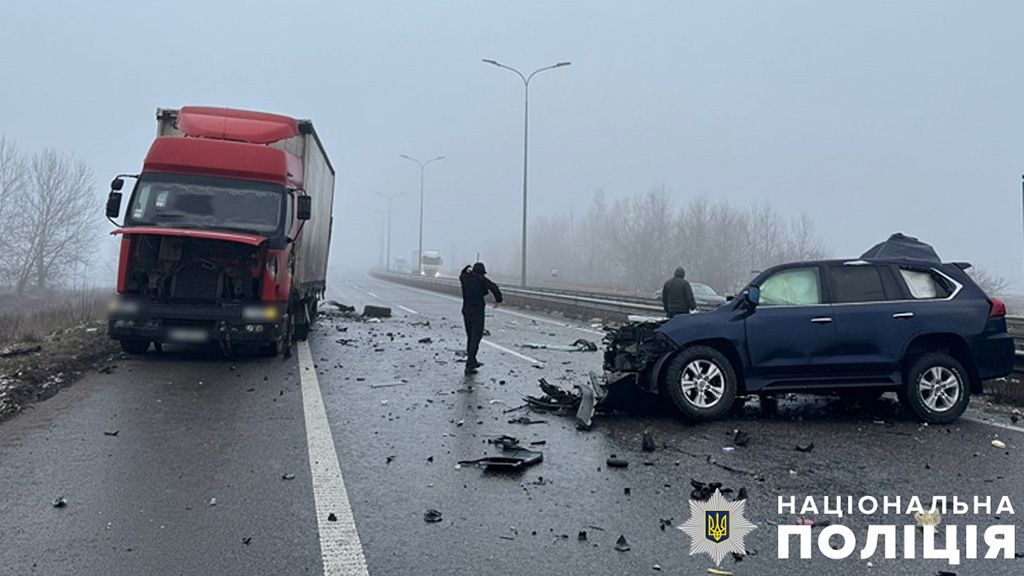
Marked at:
<point>475,286</point>
<point>677,295</point>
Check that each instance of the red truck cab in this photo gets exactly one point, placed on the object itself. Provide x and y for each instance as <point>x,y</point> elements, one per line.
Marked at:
<point>226,233</point>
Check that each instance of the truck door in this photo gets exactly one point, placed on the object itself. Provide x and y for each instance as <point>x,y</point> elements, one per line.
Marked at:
<point>790,335</point>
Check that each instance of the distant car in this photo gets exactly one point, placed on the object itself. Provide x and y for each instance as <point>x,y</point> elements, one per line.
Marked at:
<point>922,329</point>
<point>706,297</point>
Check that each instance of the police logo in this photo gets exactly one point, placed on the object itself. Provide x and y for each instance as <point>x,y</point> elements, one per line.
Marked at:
<point>717,527</point>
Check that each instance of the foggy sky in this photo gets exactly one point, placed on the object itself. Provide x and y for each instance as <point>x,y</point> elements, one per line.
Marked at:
<point>871,117</point>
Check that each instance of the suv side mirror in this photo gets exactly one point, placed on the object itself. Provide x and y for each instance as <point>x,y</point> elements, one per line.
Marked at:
<point>754,295</point>
<point>114,202</point>
<point>303,207</point>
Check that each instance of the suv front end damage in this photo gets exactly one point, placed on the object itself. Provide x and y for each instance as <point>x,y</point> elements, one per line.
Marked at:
<point>634,353</point>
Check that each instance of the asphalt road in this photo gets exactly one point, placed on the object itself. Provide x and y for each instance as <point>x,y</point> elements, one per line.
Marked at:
<point>193,427</point>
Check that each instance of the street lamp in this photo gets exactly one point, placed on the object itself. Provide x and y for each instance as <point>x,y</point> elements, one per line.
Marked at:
<point>526,141</point>
<point>389,197</point>
<point>422,165</point>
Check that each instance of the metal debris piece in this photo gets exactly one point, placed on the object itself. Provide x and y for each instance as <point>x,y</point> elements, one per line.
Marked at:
<point>648,442</point>
<point>741,438</point>
<point>388,384</point>
<point>622,545</point>
<point>370,311</point>
<point>805,447</point>
<point>288,476</point>
<point>247,540</point>
<point>582,536</point>
<point>426,340</point>
<point>588,402</point>
<point>580,345</point>
<point>59,502</point>
<point>337,306</point>
<point>505,441</point>
<point>718,572</point>
<point>616,462</point>
<point>432,515</point>
<point>331,517</point>
<point>511,459</point>
<point>111,432</point>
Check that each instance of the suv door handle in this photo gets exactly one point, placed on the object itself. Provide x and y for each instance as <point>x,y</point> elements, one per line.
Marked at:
<point>903,315</point>
<point>821,320</point>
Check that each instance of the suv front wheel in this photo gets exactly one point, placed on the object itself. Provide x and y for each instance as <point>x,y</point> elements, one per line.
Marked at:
<point>701,382</point>
<point>936,388</point>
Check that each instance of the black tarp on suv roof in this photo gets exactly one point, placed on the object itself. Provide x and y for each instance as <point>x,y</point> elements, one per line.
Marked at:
<point>901,246</point>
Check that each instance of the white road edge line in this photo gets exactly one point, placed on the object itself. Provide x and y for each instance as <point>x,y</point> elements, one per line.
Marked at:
<point>372,295</point>
<point>513,352</point>
<point>996,424</point>
<point>409,310</point>
<point>340,547</point>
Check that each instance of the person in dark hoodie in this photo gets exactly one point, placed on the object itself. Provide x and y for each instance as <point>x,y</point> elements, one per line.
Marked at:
<point>475,286</point>
<point>677,295</point>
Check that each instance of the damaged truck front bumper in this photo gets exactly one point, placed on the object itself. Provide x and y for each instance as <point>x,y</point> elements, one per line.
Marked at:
<point>194,324</point>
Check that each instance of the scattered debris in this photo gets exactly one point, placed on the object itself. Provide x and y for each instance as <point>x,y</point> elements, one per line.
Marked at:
<point>111,432</point>
<point>805,447</point>
<point>432,515</point>
<point>426,340</point>
<point>719,572</point>
<point>622,545</point>
<point>582,536</point>
<point>580,345</point>
<point>370,311</point>
<point>999,444</point>
<point>288,476</point>
<point>704,490</point>
<point>59,502</point>
<point>247,540</point>
<point>505,441</point>
<point>331,517</point>
<point>526,420</point>
<point>335,305</point>
<point>665,523</point>
<point>615,462</point>
<point>212,502</point>
<point>648,444</point>
<point>931,518</point>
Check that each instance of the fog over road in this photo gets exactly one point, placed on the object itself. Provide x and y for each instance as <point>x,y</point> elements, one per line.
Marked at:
<point>197,479</point>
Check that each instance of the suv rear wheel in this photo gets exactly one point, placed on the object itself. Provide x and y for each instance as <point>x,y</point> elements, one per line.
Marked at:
<point>701,382</point>
<point>936,388</point>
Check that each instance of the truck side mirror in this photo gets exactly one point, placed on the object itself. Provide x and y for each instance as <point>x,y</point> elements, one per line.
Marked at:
<point>114,202</point>
<point>304,206</point>
<point>116,184</point>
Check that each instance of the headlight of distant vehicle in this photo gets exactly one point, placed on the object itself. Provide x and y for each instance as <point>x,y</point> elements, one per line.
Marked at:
<point>260,313</point>
<point>437,274</point>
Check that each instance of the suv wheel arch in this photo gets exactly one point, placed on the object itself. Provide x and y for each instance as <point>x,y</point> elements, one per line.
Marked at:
<point>946,343</point>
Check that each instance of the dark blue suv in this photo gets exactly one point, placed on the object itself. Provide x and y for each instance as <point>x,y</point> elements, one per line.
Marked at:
<point>924,330</point>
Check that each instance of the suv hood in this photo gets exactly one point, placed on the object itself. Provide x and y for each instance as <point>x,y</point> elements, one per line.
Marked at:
<point>240,237</point>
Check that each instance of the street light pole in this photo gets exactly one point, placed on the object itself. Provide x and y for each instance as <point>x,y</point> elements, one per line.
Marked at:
<point>422,165</point>
<point>526,144</point>
<point>389,197</point>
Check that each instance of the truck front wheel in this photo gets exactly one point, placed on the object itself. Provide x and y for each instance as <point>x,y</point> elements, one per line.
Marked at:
<point>134,346</point>
<point>701,382</point>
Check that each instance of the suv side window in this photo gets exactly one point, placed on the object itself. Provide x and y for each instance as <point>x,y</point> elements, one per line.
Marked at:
<point>792,287</point>
<point>856,283</point>
<point>925,284</point>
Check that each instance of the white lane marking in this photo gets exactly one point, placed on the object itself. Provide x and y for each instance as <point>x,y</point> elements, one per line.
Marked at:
<point>513,352</point>
<point>409,310</point>
<point>372,295</point>
<point>340,547</point>
<point>502,310</point>
<point>996,424</point>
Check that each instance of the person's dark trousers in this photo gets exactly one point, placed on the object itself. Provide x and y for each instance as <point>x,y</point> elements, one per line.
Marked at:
<point>474,320</point>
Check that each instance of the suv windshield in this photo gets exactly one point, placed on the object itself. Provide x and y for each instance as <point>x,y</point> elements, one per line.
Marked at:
<point>186,201</point>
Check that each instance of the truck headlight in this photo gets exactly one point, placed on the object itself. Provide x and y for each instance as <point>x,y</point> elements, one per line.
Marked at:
<point>260,313</point>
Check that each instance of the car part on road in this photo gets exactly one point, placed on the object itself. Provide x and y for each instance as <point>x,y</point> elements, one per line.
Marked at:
<point>741,438</point>
<point>432,515</point>
<point>805,447</point>
<point>510,459</point>
<point>59,502</point>
<point>622,545</point>
<point>648,444</point>
<point>526,420</point>
<point>370,311</point>
<point>335,305</point>
<point>580,345</point>
<point>614,461</point>
<point>505,441</point>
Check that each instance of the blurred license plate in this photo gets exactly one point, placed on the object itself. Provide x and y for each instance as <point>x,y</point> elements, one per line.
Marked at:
<point>188,335</point>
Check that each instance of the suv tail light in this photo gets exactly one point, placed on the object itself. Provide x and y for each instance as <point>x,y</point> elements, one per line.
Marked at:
<point>998,309</point>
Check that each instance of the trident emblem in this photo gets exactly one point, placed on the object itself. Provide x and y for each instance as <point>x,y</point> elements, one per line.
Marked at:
<point>717,525</point>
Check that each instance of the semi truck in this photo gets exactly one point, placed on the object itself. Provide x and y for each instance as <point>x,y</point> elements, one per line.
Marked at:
<point>226,233</point>
<point>430,264</point>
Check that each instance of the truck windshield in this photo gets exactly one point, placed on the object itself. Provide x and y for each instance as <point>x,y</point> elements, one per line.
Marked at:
<point>186,201</point>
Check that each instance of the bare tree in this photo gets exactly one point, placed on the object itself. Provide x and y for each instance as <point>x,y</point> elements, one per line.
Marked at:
<point>54,224</point>
<point>992,284</point>
<point>13,179</point>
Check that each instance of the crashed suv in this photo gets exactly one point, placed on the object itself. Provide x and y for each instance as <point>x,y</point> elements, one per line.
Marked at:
<point>922,329</point>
